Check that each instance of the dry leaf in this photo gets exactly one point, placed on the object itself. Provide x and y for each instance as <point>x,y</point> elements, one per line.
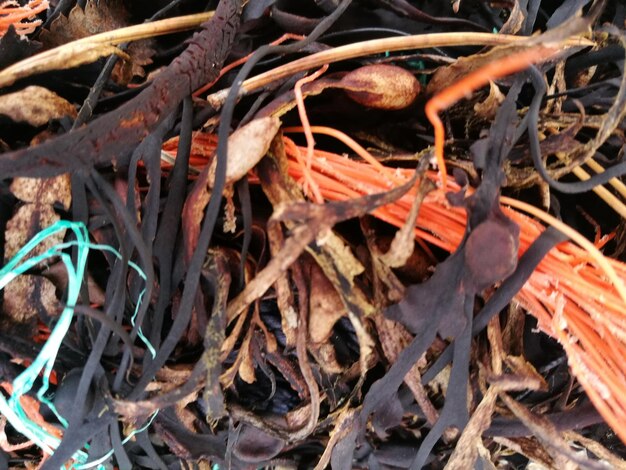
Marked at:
<point>519,365</point>
<point>246,367</point>
<point>326,306</point>
<point>516,19</point>
<point>98,18</point>
<point>95,18</point>
<point>29,220</point>
<point>14,47</point>
<point>28,298</point>
<point>381,86</point>
<point>325,355</point>
<point>246,146</point>
<point>487,108</point>
<point>35,105</point>
<point>466,449</point>
<point>56,190</point>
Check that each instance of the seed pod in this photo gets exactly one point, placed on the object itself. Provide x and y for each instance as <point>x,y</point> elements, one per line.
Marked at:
<point>381,86</point>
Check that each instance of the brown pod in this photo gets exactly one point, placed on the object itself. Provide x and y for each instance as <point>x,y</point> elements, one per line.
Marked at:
<point>381,86</point>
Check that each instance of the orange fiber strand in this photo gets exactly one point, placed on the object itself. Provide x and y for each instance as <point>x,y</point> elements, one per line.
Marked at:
<point>571,297</point>
<point>306,127</point>
<point>11,13</point>
<point>493,70</point>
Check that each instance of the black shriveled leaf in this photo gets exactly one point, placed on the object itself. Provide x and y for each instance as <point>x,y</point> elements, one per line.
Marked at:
<point>565,11</point>
<point>14,48</point>
<point>435,303</point>
<point>256,446</point>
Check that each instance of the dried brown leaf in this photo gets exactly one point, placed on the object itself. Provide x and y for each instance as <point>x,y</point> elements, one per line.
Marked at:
<point>325,355</point>
<point>30,297</point>
<point>519,365</point>
<point>35,105</point>
<point>466,450</point>
<point>246,367</point>
<point>488,108</point>
<point>403,242</point>
<point>246,146</point>
<point>94,19</point>
<point>326,306</point>
<point>29,220</point>
<point>140,53</point>
<point>528,447</point>
<point>381,86</point>
<point>516,19</point>
<point>56,190</point>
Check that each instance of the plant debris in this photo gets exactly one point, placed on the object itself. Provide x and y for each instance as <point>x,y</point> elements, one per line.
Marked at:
<point>320,234</point>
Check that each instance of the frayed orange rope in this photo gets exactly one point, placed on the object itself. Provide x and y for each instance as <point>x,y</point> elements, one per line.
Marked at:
<point>11,13</point>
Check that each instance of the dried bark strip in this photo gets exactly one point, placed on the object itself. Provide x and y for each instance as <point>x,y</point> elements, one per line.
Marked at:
<point>112,137</point>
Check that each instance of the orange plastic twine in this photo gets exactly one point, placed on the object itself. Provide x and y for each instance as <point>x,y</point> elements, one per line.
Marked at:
<point>11,13</point>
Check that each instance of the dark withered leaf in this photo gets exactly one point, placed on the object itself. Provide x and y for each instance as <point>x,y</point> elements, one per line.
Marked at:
<point>435,301</point>
<point>256,446</point>
<point>97,18</point>
<point>187,444</point>
<point>14,47</point>
<point>565,11</point>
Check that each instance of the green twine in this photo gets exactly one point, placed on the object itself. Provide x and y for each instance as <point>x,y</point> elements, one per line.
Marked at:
<point>44,362</point>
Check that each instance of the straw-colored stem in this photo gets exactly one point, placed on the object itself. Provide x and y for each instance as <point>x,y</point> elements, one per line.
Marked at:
<point>59,56</point>
<point>377,46</point>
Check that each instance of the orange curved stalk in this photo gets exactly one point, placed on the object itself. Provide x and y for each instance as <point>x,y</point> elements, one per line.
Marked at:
<point>497,69</point>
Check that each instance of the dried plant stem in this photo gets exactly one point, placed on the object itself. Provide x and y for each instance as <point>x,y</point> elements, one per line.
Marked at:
<point>377,46</point>
<point>59,57</point>
<point>604,194</point>
<point>617,184</point>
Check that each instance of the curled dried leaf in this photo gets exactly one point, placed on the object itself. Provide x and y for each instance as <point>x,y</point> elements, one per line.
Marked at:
<point>326,306</point>
<point>56,190</point>
<point>29,220</point>
<point>35,105</point>
<point>381,86</point>
<point>28,297</point>
<point>255,445</point>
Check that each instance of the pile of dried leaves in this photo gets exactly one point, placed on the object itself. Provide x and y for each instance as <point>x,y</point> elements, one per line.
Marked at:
<point>209,286</point>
